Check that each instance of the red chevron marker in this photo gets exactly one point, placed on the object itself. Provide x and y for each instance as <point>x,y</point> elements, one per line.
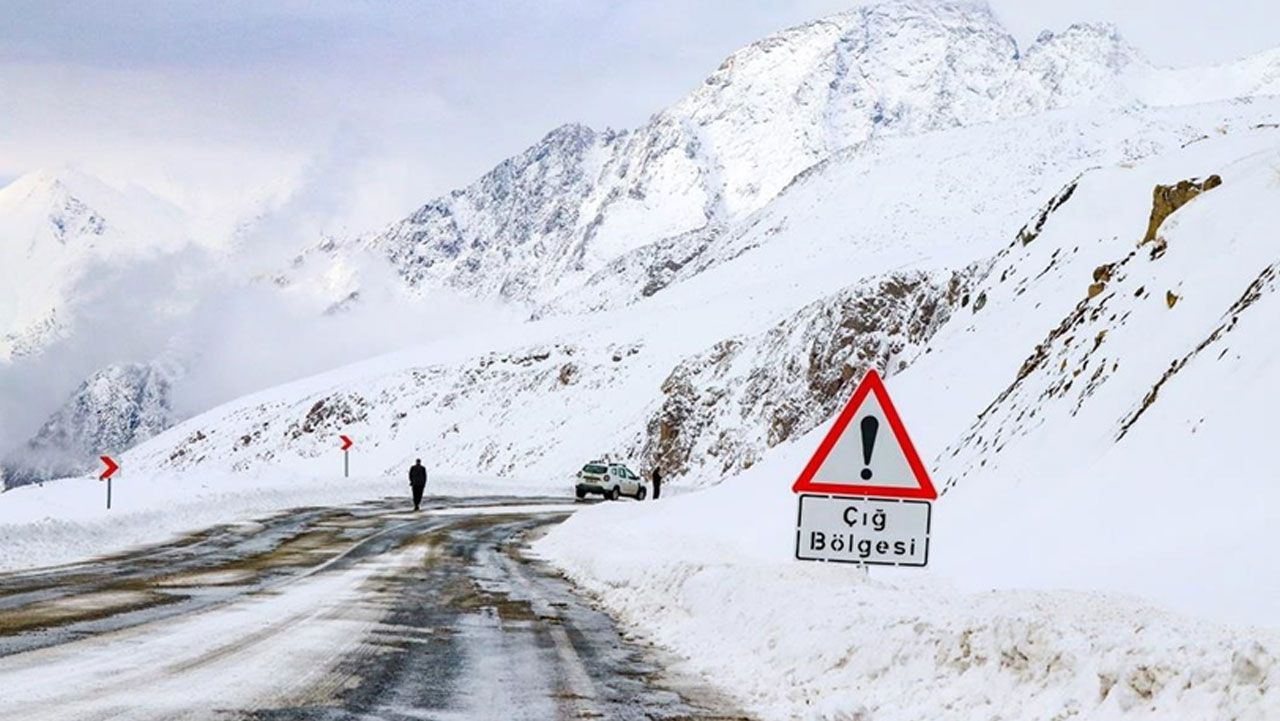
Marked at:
<point>111,469</point>
<point>346,456</point>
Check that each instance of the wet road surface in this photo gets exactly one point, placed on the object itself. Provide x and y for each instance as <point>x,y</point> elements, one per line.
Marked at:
<point>356,612</point>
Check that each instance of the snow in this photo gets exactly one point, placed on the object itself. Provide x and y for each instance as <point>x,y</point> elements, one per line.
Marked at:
<point>827,642</point>
<point>116,407</point>
<point>1177,486</point>
<point>1072,571</point>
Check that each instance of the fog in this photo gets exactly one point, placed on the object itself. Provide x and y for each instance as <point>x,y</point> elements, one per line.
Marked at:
<point>220,336</point>
<point>229,316</point>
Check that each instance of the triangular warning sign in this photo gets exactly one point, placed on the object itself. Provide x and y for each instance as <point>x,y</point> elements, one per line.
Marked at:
<point>867,451</point>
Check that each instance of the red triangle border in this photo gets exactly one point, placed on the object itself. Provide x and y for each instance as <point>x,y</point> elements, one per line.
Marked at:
<point>871,383</point>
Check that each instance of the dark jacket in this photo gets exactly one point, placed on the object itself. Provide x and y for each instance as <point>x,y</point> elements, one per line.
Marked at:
<point>417,475</point>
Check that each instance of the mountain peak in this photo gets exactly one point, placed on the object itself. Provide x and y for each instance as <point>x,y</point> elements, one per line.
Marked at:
<point>569,133</point>
<point>56,190</point>
<point>1092,42</point>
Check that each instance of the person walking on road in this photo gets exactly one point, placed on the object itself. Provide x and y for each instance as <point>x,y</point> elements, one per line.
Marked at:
<point>657,483</point>
<point>418,482</point>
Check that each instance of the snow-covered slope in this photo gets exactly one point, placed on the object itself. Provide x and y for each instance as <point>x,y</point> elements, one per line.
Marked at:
<point>692,382</point>
<point>1097,417</point>
<point>1139,403</point>
<point>938,200</point>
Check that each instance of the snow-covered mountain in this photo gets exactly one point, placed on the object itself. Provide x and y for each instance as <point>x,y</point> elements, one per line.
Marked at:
<point>542,223</point>
<point>1098,418</point>
<point>113,410</point>
<point>56,230</point>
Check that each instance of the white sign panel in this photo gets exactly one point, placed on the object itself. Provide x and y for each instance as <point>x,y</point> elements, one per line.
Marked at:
<point>873,531</point>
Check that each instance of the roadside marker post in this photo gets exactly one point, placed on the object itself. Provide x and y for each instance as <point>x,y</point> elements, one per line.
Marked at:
<point>107,473</point>
<point>346,456</point>
<point>865,496</point>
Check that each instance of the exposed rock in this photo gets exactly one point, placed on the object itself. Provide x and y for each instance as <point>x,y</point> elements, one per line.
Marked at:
<point>333,414</point>
<point>1171,299</point>
<point>1158,248</point>
<point>568,374</point>
<point>1031,230</point>
<point>1166,199</point>
<point>726,406</point>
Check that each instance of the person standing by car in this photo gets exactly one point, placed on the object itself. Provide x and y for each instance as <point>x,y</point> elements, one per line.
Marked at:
<point>418,482</point>
<point>657,483</point>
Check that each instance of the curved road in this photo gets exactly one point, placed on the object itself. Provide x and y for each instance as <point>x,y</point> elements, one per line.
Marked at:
<point>357,612</point>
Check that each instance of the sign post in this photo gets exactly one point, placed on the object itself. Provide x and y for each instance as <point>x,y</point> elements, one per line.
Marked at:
<point>110,470</point>
<point>346,456</point>
<point>865,497</point>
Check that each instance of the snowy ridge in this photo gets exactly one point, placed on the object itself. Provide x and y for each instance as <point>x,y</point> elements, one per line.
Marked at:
<point>893,196</point>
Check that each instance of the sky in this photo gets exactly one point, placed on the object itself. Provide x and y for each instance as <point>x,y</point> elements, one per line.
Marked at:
<point>215,105</point>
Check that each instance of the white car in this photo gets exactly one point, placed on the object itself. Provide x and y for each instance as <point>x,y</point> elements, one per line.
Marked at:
<point>610,480</point>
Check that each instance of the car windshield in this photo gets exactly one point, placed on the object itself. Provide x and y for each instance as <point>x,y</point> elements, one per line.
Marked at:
<point>592,468</point>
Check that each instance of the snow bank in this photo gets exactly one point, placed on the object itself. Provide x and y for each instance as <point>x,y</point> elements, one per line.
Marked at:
<point>711,579</point>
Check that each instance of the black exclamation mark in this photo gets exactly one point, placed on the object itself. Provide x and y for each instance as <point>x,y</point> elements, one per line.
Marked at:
<point>870,425</point>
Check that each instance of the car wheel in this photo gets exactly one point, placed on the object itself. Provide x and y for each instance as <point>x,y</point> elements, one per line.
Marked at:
<point>641,493</point>
<point>580,494</point>
<point>612,494</point>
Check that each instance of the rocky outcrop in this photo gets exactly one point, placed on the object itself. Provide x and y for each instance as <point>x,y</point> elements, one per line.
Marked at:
<point>1166,199</point>
<point>725,407</point>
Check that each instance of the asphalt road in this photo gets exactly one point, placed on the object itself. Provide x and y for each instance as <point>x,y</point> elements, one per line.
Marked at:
<point>359,612</point>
